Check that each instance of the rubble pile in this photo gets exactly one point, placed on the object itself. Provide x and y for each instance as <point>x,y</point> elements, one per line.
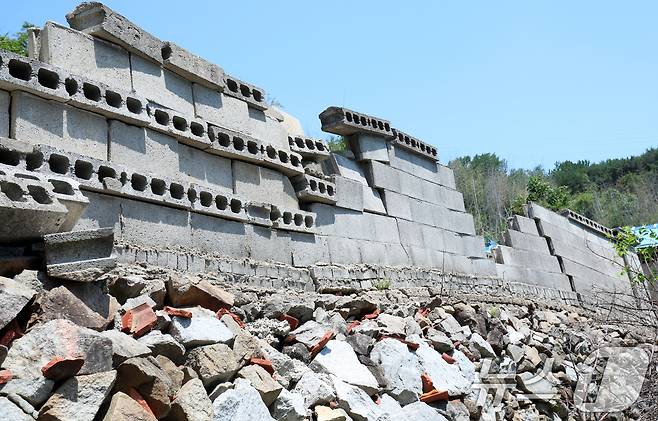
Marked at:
<point>145,343</point>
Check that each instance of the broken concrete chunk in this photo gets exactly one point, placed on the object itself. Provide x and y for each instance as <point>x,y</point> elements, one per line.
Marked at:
<point>191,403</point>
<point>79,398</point>
<point>356,402</point>
<point>203,328</point>
<point>193,291</point>
<point>131,286</point>
<point>213,363</point>
<point>11,411</point>
<point>315,388</point>
<point>338,358</point>
<point>81,256</point>
<point>309,333</point>
<point>125,347</point>
<point>59,338</point>
<point>399,368</point>
<point>445,376</point>
<point>163,344</point>
<point>13,298</point>
<point>242,403</point>
<point>34,390</point>
<point>289,406</point>
<point>262,381</point>
<point>124,408</point>
<point>482,346</point>
<point>420,411</point>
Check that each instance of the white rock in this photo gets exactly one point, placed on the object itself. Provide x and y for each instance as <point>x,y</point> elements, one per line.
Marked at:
<point>444,376</point>
<point>289,406</point>
<point>204,328</point>
<point>191,403</point>
<point>357,403</point>
<point>339,359</point>
<point>420,411</point>
<point>13,297</point>
<point>400,368</point>
<point>9,411</point>
<point>314,389</point>
<point>391,408</point>
<point>124,346</point>
<point>242,403</point>
<point>79,398</point>
<point>482,346</point>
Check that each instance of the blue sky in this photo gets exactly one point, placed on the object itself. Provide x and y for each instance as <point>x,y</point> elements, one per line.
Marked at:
<point>533,81</point>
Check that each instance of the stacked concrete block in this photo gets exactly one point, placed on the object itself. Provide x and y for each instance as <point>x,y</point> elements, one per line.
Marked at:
<point>350,169</point>
<point>4,113</point>
<point>314,189</point>
<point>53,123</point>
<point>528,275</point>
<point>191,66</point>
<point>28,207</point>
<point>162,86</point>
<point>368,147</point>
<point>252,95</point>
<point>85,55</point>
<point>406,141</point>
<point>263,185</point>
<point>346,122</point>
<point>525,258</point>
<point>80,255</point>
<point>309,149</point>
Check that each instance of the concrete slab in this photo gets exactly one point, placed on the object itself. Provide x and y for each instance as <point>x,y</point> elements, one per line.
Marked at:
<point>565,243</point>
<point>414,145</point>
<point>55,124</point>
<point>346,122</point>
<point>343,250</point>
<point>529,259</point>
<point>191,66</point>
<point>162,86</point>
<point>154,226</point>
<point>373,252</point>
<point>102,211</point>
<point>251,94</point>
<point>203,167</point>
<point>80,255</point>
<point>263,185</point>
<point>268,245</point>
<point>368,147</point>
<point>101,21</point>
<point>308,249</point>
<point>143,149</point>
<point>590,281</point>
<point>523,241</point>
<point>5,102</point>
<point>219,236</point>
<point>523,224</point>
<point>533,277</point>
<point>349,193</point>
<point>82,54</point>
<point>220,109</point>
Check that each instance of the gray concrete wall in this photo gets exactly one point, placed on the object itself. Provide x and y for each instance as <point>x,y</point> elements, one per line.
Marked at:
<point>5,101</point>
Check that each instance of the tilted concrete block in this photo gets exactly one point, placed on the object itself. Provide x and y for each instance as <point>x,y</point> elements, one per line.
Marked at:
<point>523,241</point>
<point>517,257</point>
<point>404,140</point>
<point>369,147</point>
<point>588,224</point>
<point>446,177</point>
<point>538,212</point>
<point>205,168</point>
<point>314,189</point>
<point>411,234</point>
<point>385,228</point>
<point>58,125</point>
<point>161,86</point>
<point>191,66</point>
<point>412,163</point>
<point>251,94</point>
<point>80,53</point>
<point>347,122</point>
<point>4,113</point>
<point>28,208</point>
<point>143,149</point>
<point>313,149</point>
<point>101,21</point>
<point>187,130</point>
<point>523,224</point>
<point>397,205</point>
<point>588,281</point>
<point>382,176</point>
<point>80,255</point>
<point>264,126</point>
<point>260,184</point>
<point>349,193</point>
<point>565,242</point>
<point>532,276</point>
<point>67,191</point>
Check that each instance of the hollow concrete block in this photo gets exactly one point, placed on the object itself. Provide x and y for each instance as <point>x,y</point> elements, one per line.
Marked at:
<point>4,113</point>
<point>162,86</point>
<point>200,166</point>
<point>80,53</point>
<point>265,185</point>
<point>55,124</point>
<point>143,149</point>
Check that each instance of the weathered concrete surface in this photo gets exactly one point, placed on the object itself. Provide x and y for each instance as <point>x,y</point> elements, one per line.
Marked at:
<point>4,113</point>
<point>80,255</point>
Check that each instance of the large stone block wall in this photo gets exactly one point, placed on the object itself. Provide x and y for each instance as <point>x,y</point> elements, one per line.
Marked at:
<point>179,157</point>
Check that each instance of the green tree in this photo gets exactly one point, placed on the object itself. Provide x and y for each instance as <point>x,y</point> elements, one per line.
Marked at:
<point>337,144</point>
<point>18,42</point>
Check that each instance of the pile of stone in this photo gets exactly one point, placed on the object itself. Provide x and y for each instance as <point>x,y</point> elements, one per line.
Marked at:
<point>141,343</point>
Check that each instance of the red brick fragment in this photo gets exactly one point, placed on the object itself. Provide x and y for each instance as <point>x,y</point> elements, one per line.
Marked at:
<point>372,315</point>
<point>428,385</point>
<point>137,397</point>
<point>377,399</point>
<point>178,312</point>
<point>321,343</point>
<point>264,363</point>
<point>238,320</point>
<point>138,320</point>
<point>5,376</point>
<point>10,333</point>
<point>333,405</point>
<point>434,395</point>
<point>352,325</point>
<point>60,368</point>
<point>423,312</point>
<point>293,322</point>
<point>448,358</point>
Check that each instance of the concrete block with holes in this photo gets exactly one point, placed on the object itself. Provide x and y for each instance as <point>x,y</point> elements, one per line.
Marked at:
<point>80,256</point>
<point>265,185</point>
<point>369,147</point>
<point>28,208</point>
<point>4,113</point>
<point>162,86</point>
<point>143,149</point>
<point>82,54</point>
<point>191,66</point>
<point>59,125</point>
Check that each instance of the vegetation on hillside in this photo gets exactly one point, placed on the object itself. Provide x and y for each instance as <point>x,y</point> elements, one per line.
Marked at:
<point>615,192</point>
<point>16,43</point>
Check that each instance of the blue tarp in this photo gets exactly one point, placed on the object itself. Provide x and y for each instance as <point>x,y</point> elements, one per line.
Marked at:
<point>649,239</point>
